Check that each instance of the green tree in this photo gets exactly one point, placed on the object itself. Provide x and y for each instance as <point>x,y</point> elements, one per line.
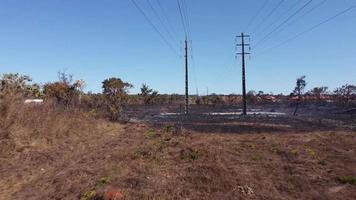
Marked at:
<point>299,91</point>
<point>148,94</point>
<point>115,91</point>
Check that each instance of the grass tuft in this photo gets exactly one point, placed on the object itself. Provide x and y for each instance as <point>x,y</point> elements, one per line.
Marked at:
<point>347,180</point>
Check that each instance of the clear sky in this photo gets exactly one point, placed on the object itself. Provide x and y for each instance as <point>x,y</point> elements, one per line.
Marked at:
<point>97,39</point>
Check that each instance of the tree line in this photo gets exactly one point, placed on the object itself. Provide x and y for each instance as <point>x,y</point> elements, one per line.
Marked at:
<point>68,93</point>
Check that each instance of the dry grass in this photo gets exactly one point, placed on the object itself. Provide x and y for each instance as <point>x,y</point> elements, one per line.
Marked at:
<point>57,154</point>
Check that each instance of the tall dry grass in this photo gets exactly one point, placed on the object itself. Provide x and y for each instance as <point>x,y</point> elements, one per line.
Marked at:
<point>40,126</point>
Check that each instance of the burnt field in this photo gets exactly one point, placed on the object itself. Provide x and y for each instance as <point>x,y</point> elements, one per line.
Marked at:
<point>261,118</point>
<point>213,153</point>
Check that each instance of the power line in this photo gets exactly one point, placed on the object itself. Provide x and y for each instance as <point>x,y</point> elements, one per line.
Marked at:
<point>304,14</point>
<point>307,12</point>
<point>186,16</point>
<point>256,15</point>
<point>166,18</point>
<point>284,22</point>
<point>160,19</point>
<point>154,27</point>
<point>280,16</point>
<point>182,18</point>
<point>312,28</point>
<point>269,15</point>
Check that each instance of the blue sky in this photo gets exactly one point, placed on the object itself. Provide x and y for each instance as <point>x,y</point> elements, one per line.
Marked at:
<point>97,39</point>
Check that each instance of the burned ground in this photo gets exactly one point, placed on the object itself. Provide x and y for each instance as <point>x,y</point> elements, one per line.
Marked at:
<point>69,156</point>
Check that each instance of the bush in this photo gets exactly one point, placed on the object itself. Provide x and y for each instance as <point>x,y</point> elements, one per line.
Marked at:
<point>115,91</point>
<point>20,85</point>
<point>64,91</point>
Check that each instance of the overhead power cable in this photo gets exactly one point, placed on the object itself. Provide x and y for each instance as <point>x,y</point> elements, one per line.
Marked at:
<point>312,28</point>
<point>186,15</point>
<point>166,17</point>
<point>268,16</point>
<point>256,15</point>
<point>182,17</point>
<point>154,27</point>
<point>160,20</point>
<point>266,37</point>
<point>287,11</point>
<point>306,13</point>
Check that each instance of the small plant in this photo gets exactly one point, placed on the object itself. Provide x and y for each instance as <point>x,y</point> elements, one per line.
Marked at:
<point>148,94</point>
<point>151,134</point>
<point>89,195</point>
<point>347,180</point>
<point>311,152</point>
<point>274,148</point>
<point>322,162</point>
<point>332,134</point>
<point>103,181</point>
<point>191,154</point>
<point>295,152</point>
<point>160,145</point>
<point>252,146</point>
<point>140,153</point>
<point>257,157</point>
<point>168,128</point>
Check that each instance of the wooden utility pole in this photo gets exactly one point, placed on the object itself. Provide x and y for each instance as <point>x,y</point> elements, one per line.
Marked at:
<point>243,53</point>
<point>186,110</point>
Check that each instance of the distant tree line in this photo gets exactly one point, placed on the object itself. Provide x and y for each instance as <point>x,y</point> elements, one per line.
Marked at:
<point>111,102</point>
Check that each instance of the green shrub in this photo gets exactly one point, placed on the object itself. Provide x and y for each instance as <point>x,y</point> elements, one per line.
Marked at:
<point>89,195</point>
<point>103,181</point>
<point>347,180</point>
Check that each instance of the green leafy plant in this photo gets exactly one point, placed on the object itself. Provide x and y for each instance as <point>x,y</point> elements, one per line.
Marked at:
<point>103,181</point>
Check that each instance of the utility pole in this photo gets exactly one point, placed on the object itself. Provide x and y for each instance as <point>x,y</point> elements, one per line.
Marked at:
<point>186,110</point>
<point>243,53</point>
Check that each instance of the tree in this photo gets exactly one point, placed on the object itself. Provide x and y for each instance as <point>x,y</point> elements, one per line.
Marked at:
<point>64,91</point>
<point>318,92</point>
<point>148,94</point>
<point>35,90</point>
<point>19,85</point>
<point>299,91</point>
<point>115,91</point>
<point>14,83</point>
<point>345,93</point>
<point>251,96</point>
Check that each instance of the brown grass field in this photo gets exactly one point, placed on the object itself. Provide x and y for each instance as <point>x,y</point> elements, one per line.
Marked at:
<point>49,154</point>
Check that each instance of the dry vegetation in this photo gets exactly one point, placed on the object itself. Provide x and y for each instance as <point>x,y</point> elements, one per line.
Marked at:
<point>51,153</point>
